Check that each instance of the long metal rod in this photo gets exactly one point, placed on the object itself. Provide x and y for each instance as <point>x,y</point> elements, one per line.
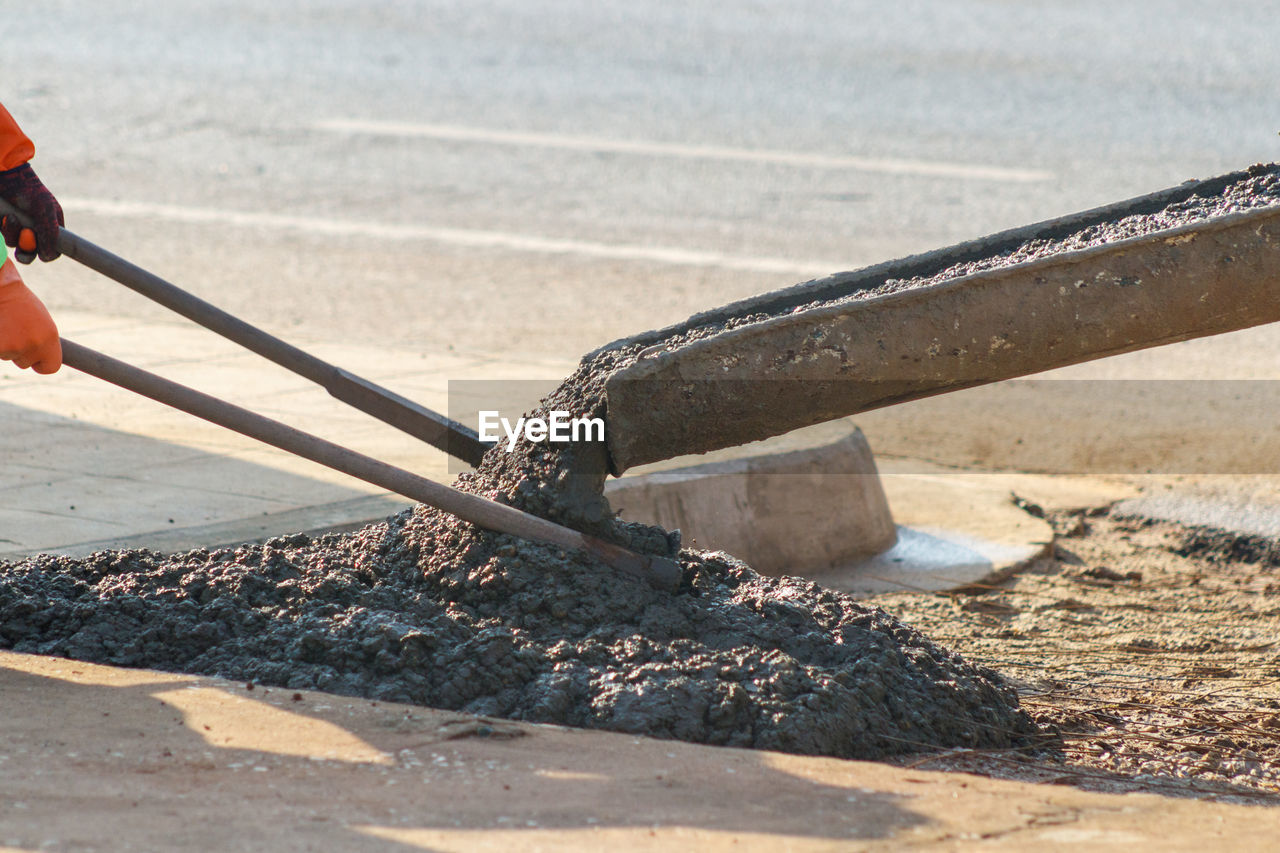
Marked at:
<point>400,412</point>
<point>660,572</point>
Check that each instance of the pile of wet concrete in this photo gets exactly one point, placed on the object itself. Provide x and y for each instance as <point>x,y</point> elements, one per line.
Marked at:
<point>426,609</point>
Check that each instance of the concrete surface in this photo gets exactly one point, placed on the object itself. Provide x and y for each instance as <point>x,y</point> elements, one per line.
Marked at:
<point>95,758</point>
<point>957,528</point>
<point>797,504</point>
<point>1224,512</point>
<point>954,529</point>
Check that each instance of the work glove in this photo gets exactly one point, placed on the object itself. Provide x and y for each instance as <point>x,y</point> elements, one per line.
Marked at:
<point>22,189</point>
<point>28,336</point>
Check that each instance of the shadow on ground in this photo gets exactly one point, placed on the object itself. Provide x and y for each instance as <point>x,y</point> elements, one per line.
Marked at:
<point>72,488</point>
<point>154,760</point>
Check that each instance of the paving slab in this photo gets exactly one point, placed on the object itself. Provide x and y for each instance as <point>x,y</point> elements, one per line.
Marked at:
<point>100,758</point>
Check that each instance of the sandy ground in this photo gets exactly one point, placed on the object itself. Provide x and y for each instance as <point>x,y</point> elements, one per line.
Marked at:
<point>1150,646</point>
<point>97,758</point>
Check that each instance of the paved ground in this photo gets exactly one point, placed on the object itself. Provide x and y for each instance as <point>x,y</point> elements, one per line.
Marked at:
<point>96,758</point>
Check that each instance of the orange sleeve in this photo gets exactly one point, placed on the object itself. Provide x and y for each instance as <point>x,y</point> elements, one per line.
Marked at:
<point>15,147</point>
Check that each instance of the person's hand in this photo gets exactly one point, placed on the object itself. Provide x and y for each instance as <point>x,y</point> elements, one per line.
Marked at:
<point>22,189</point>
<point>28,336</point>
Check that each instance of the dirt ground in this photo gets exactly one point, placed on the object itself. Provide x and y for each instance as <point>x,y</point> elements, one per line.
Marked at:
<point>1150,647</point>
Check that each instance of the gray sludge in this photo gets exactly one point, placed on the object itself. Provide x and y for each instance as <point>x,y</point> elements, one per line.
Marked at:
<point>425,609</point>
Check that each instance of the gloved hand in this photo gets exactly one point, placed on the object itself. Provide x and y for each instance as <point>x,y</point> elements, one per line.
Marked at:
<point>22,189</point>
<point>28,336</point>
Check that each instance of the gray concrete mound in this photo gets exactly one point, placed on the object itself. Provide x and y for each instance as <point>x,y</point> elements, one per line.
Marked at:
<point>426,609</point>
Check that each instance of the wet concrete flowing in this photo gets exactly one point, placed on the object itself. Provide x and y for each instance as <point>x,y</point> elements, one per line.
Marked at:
<point>566,484</point>
<point>1259,188</point>
<point>424,608</point>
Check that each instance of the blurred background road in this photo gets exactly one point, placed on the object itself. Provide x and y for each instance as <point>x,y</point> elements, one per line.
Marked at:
<point>546,176</point>
<point>529,177</point>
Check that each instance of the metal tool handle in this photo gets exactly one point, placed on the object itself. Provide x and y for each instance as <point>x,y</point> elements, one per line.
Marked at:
<point>660,572</point>
<point>435,429</point>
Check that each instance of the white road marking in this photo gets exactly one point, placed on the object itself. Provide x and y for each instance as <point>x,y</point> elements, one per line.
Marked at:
<point>472,238</point>
<point>889,166</point>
